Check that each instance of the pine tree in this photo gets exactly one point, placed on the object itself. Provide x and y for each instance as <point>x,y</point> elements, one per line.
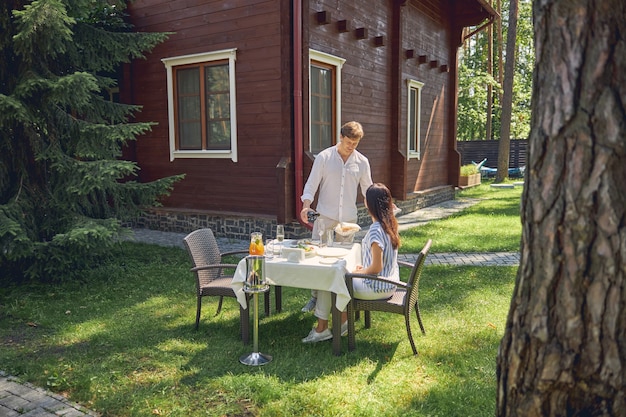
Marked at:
<point>64,191</point>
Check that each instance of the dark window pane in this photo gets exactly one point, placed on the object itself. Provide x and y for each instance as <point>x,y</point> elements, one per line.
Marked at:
<point>189,108</point>
<point>188,81</point>
<point>190,136</point>
<point>219,135</point>
<point>218,106</point>
<point>188,89</point>
<point>413,120</point>
<point>217,78</point>
<point>321,108</point>
<point>326,108</point>
<point>217,93</point>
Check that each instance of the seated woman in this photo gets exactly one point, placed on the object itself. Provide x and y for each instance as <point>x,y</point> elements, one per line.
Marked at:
<point>379,256</point>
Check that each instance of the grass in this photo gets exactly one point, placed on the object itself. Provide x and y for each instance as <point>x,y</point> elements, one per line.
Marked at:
<point>122,342</point>
<point>492,226</point>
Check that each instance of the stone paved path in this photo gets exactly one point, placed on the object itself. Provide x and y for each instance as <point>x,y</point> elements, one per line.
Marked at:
<point>26,400</point>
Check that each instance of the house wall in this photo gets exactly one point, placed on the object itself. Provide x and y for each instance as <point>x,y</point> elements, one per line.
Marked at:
<point>259,31</point>
<point>366,79</point>
<point>374,83</point>
<point>259,190</point>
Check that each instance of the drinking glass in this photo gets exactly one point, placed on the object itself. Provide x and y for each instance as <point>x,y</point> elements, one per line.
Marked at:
<point>321,231</point>
<point>280,233</point>
<point>330,233</point>
<point>270,250</point>
<point>280,237</point>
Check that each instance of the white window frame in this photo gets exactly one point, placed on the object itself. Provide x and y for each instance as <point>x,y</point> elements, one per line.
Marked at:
<point>170,63</point>
<point>336,62</point>
<point>414,153</point>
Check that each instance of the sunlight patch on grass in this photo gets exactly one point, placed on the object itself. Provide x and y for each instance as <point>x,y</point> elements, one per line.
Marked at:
<point>128,346</point>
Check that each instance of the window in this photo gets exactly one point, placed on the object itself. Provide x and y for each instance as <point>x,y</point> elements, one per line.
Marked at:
<point>414,104</point>
<point>201,105</point>
<point>324,100</point>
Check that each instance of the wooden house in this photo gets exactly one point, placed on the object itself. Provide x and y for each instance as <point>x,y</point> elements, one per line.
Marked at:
<point>246,92</point>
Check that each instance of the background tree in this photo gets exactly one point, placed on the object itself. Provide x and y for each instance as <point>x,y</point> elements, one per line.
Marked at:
<point>564,348</point>
<point>489,114</point>
<point>64,192</point>
<point>507,95</point>
<point>474,78</point>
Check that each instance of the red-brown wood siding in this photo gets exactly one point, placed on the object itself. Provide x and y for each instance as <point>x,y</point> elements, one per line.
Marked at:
<point>368,84</point>
<point>374,92</point>
<point>258,30</point>
<point>366,77</point>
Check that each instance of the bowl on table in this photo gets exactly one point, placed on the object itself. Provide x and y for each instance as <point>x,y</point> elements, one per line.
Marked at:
<point>346,231</point>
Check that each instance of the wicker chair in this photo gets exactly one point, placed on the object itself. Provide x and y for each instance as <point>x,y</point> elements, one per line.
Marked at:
<point>210,278</point>
<point>403,301</point>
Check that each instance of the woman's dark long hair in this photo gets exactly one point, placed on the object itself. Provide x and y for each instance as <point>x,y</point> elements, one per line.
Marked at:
<point>380,206</point>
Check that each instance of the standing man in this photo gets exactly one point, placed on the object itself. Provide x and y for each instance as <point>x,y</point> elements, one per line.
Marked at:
<point>337,173</point>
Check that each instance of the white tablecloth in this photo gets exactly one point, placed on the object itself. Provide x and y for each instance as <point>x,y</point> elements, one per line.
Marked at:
<point>309,273</point>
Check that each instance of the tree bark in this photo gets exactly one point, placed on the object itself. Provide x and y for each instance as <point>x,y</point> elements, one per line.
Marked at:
<point>489,86</point>
<point>500,42</point>
<point>507,96</point>
<point>564,348</point>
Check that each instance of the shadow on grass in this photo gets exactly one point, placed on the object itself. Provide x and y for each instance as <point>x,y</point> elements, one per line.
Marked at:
<point>125,338</point>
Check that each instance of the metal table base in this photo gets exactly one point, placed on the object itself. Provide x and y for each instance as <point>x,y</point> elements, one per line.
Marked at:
<point>256,358</point>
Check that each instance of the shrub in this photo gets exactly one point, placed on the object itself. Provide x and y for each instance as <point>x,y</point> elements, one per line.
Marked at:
<point>469,169</point>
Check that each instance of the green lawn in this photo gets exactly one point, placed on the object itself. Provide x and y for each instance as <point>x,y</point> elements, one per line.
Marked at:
<point>494,225</point>
<point>122,342</point>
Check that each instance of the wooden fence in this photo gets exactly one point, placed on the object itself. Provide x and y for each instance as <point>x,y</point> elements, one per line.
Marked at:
<point>477,150</point>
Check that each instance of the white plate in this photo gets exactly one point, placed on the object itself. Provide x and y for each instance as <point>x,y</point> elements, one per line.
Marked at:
<point>328,261</point>
<point>332,252</point>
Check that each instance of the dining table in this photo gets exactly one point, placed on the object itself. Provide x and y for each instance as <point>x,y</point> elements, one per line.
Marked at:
<point>323,268</point>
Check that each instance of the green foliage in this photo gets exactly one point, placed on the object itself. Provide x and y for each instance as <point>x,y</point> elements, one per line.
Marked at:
<point>64,192</point>
<point>472,100</point>
<point>469,169</point>
<point>474,79</point>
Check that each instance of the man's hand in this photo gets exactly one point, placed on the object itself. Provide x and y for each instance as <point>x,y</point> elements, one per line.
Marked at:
<point>303,214</point>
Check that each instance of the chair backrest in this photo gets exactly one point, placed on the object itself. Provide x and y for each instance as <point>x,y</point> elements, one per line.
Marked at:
<point>416,272</point>
<point>203,250</point>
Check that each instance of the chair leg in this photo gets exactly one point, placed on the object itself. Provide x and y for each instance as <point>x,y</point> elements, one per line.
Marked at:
<point>419,318</point>
<point>198,309</point>
<point>408,331</point>
<point>351,330</point>
<point>244,324</point>
<point>266,304</point>
<point>368,319</point>
<point>278,295</point>
<point>219,306</point>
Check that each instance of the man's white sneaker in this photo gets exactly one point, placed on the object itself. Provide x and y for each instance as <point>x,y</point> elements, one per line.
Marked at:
<point>344,328</point>
<point>310,306</point>
<point>314,336</point>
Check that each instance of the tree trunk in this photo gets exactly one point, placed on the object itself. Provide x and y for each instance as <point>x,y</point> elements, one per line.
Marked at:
<point>500,43</point>
<point>564,348</point>
<point>489,86</point>
<point>507,96</point>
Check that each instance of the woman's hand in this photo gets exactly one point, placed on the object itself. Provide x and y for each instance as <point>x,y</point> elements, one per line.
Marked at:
<point>377,262</point>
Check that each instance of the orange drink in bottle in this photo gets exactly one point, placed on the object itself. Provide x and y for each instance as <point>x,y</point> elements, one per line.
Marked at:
<point>256,244</point>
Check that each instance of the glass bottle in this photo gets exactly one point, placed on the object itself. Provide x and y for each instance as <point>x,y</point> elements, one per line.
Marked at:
<point>256,244</point>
